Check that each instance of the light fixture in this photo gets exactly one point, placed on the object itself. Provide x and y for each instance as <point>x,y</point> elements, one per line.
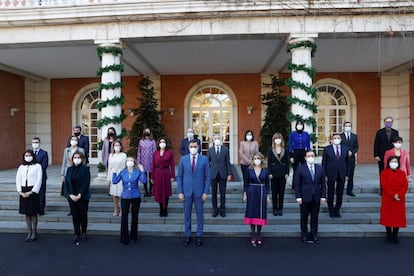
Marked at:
<point>171,110</point>
<point>249,109</point>
<point>14,110</point>
<point>132,111</point>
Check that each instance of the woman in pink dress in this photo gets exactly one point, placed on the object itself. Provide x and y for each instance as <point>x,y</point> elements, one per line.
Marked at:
<point>163,172</point>
<point>146,149</point>
<point>403,156</point>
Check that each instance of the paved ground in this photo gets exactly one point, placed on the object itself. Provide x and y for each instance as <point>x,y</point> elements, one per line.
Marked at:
<point>102,255</point>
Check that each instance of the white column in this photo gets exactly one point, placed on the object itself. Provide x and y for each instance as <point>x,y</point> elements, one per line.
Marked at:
<point>302,56</point>
<point>109,59</point>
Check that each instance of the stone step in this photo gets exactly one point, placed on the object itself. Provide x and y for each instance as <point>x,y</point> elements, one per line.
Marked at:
<point>210,230</point>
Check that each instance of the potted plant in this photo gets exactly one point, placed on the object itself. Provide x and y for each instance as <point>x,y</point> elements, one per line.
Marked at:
<point>101,170</point>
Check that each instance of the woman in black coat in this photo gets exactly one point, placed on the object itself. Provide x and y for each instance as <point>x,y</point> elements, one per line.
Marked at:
<point>278,164</point>
<point>77,182</point>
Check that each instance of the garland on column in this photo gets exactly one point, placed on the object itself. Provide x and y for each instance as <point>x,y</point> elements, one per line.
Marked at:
<point>310,90</point>
<point>116,101</point>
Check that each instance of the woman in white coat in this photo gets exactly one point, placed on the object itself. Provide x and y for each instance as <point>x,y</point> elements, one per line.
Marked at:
<point>116,163</point>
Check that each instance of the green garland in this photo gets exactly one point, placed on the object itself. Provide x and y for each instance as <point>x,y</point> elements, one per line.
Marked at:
<point>111,120</point>
<point>310,90</point>
<point>302,67</point>
<point>111,85</point>
<point>305,44</point>
<point>113,50</point>
<point>114,67</point>
<point>112,102</point>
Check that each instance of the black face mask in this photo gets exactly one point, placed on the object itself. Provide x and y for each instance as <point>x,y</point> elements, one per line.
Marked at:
<point>76,134</point>
<point>147,134</point>
<point>111,134</point>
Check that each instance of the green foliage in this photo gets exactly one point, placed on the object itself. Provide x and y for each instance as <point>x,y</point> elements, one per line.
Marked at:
<point>275,119</point>
<point>147,116</point>
<point>101,167</point>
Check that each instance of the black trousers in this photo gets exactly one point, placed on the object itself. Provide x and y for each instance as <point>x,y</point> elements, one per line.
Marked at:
<point>244,171</point>
<point>42,196</point>
<point>278,185</point>
<point>350,185</point>
<point>221,184</point>
<point>337,189</point>
<point>126,204</point>
<point>309,208</point>
<point>79,212</point>
<point>298,159</point>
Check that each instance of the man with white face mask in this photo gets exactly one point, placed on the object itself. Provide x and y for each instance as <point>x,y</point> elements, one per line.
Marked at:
<point>350,140</point>
<point>219,159</point>
<point>310,193</point>
<point>43,159</point>
<point>186,141</point>
<point>335,161</point>
<point>193,185</point>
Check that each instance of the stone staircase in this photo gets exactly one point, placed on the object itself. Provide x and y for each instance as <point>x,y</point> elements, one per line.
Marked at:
<point>360,215</point>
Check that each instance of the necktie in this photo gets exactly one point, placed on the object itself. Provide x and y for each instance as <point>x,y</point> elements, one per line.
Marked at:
<point>218,150</point>
<point>312,172</point>
<point>337,152</point>
<point>193,164</point>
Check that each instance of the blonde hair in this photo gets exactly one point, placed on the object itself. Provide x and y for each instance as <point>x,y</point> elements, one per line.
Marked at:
<point>258,154</point>
<point>278,135</point>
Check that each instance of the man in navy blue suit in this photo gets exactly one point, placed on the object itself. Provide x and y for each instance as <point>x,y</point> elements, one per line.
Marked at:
<point>83,141</point>
<point>186,141</point>
<point>310,192</point>
<point>335,161</point>
<point>43,159</point>
<point>193,182</point>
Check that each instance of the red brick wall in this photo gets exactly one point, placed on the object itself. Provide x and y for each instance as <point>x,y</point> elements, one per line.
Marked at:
<point>175,88</point>
<point>13,127</point>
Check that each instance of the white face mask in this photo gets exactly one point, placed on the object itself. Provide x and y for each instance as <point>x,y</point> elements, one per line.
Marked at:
<point>257,162</point>
<point>117,148</point>
<point>393,165</point>
<point>217,142</point>
<point>299,127</point>
<point>336,141</point>
<point>77,161</point>
<point>278,141</point>
<point>397,145</point>
<point>130,164</point>
<point>162,145</point>
<point>73,142</point>
<point>249,137</point>
<point>190,135</point>
<point>28,159</point>
<point>347,129</point>
<point>310,160</point>
<point>193,151</point>
<point>35,145</point>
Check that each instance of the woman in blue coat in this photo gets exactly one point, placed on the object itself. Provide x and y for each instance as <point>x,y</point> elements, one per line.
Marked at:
<point>130,197</point>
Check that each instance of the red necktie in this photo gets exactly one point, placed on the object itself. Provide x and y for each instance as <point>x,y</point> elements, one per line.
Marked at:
<point>337,152</point>
<point>193,164</point>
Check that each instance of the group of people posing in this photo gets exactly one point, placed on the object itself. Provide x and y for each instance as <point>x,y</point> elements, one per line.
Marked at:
<point>312,184</point>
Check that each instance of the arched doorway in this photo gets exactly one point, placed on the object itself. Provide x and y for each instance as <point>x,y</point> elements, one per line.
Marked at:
<point>335,106</point>
<point>86,114</point>
<point>210,108</point>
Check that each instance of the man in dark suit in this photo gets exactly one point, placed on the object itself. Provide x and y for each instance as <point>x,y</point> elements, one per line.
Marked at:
<point>220,168</point>
<point>83,141</point>
<point>185,142</point>
<point>43,159</point>
<point>193,183</point>
<point>383,141</point>
<point>335,162</point>
<point>350,140</point>
<point>310,192</point>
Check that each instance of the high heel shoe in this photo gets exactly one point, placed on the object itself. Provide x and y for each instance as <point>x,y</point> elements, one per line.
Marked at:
<point>253,242</point>
<point>33,236</point>
<point>27,239</point>
<point>76,240</point>
<point>259,241</point>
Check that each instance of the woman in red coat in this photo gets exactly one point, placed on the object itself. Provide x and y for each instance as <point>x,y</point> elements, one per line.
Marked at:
<point>163,173</point>
<point>394,186</point>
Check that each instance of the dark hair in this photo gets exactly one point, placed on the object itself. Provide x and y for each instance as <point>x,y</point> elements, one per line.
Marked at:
<point>393,157</point>
<point>166,142</point>
<point>113,144</point>
<point>194,140</point>
<point>36,138</point>
<point>248,131</point>
<point>151,137</point>
<point>82,156</point>
<point>310,151</point>
<point>347,122</point>
<point>110,128</point>
<point>397,139</point>
<point>336,134</point>
<point>299,122</point>
<point>78,126</point>
<point>32,154</point>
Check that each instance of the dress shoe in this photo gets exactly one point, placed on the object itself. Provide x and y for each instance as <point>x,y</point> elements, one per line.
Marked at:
<point>69,214</point>
<point>187,241</point>
<point>27,239</point>
<point>315,240</point>
<point>280,213</point>
<point>223,213</point>
<point>199,241</point>
<point>338,215</point>
<point>275,212</point>
<point>331,213</point>
<point>76,240</point>
<point>215,214</point>
<point>304,239</point>
<point>350,193</point>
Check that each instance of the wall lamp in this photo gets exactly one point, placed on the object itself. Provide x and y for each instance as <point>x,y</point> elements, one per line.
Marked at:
<point>249,109</point>
<point>171,110</point>
<point>132,111</point>
<point>14,110</point>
